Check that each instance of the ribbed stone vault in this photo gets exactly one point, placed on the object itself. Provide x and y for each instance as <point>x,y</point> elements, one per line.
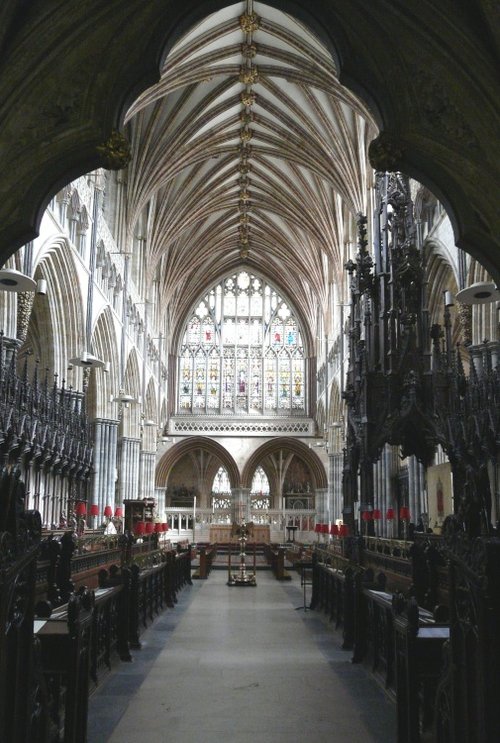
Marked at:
<point>247,150</point>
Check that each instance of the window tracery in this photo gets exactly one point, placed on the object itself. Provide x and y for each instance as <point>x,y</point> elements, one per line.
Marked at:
<point>221,490</point>
<point>260,492</point>
<point>242,352</point>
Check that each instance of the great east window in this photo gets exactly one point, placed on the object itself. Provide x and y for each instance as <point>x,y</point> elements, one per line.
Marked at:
<point>242,352</point>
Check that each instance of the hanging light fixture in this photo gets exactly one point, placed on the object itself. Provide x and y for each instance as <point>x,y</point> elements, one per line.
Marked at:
<point>87,361</point>
<point>480,293</point>
<point>124,398</point>
<point>15,281</point>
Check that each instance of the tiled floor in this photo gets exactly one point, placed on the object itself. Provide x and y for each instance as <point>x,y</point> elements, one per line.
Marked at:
<point>240,664</point>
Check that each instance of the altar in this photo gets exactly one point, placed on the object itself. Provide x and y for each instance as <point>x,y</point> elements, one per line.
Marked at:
<point>221,534</point>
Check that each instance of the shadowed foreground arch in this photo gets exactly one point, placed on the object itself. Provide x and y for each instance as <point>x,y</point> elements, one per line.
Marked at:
<point>58,108</point>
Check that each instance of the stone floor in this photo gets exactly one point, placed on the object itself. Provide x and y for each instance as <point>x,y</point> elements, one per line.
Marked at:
<point>241,664</point>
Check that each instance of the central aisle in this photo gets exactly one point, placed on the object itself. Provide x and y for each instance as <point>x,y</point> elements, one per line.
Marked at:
<point>239,665</point>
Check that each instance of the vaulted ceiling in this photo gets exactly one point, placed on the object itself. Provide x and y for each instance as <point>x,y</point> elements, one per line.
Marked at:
<point>249,151</point>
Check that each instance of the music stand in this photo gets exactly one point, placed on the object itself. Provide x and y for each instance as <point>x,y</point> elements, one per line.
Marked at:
<point>305,571</point>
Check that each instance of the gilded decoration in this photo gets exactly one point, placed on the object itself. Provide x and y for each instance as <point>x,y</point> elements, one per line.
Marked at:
<point>115,152</point>
<point>248,98</point>
<point>249,22</point>
<point>246,135</point>
<point>249,75</point>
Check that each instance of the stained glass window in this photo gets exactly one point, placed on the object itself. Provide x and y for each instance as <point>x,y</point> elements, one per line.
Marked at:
<point>242,352</point>
<point>260,492</point>
<point>221,490</point>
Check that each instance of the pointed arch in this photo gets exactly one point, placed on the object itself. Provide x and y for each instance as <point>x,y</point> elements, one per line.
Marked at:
<point>150,406</point>
<point>441,276</point>
<point>291,447</point>
<point>56,330</point>
<point>104,346</point>
<point>175,453</point>
<point>336,419</point>
<point>131,386</point>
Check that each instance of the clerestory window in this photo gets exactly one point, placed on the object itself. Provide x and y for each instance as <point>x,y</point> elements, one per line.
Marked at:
<point>242,352</point>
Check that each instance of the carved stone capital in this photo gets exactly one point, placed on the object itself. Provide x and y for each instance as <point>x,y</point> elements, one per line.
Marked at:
<point>385,153</point>
<point>115,152</point>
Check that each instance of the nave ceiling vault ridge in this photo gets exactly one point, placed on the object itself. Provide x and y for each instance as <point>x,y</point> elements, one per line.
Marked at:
<point>245,143</point>
<point>430,122</point>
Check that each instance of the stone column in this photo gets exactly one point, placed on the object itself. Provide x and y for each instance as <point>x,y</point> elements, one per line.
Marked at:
<point>159,496</point>
<point>147,474</point>
<point>321,501</point>
<point>128,469</point>
<point>335,485</point>
<point>417,493</point>
<point>105,452</point>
